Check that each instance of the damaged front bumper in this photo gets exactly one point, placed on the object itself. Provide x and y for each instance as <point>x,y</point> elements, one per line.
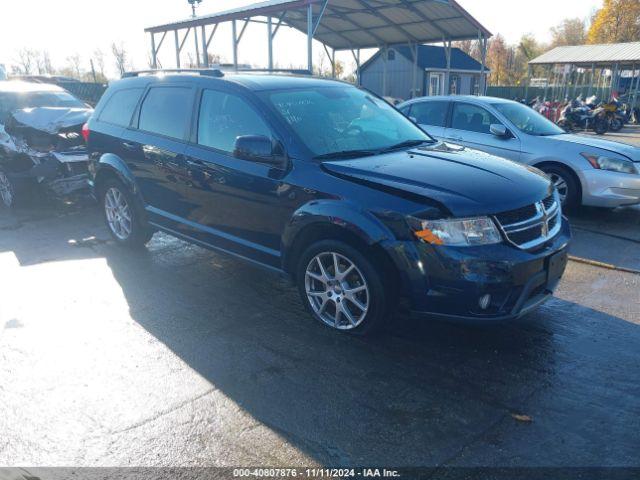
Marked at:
<point>55,160</point>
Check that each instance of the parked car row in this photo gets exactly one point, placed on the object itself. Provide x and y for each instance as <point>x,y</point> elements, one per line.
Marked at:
<point>585,170</point>
<point>331,185</point>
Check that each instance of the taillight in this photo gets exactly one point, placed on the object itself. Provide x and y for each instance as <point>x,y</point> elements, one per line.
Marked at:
<point>85,132</point>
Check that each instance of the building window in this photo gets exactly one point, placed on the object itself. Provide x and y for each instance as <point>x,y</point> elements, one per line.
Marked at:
<point>436,80</point>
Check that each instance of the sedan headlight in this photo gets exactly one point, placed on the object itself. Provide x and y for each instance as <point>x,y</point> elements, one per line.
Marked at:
<point>465,232</point>
<point>612,164</point>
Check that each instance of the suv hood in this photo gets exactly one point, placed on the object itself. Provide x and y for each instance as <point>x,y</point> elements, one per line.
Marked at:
<point>628,151</point>
<point>52,119</point>
<point>466,182</point>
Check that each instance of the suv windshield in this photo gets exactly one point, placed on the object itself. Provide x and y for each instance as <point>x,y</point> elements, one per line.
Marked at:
<point>528,120</point>
<point>344,121</point>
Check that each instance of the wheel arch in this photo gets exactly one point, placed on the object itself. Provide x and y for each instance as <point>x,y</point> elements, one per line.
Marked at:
<point>554,163</point>
<point>111,166</point>
<point>335,220</point>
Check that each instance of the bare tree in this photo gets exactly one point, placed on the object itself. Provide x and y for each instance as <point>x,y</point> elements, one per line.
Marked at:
<point>25,61</point>
<point>121,57</point>
<point>75,65</point>
<point>98,59</point>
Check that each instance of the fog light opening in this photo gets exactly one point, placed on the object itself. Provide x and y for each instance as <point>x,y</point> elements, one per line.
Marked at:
<point>484,301</point>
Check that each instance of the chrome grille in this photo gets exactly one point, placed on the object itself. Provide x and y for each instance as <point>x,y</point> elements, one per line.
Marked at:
<point>533,225</point>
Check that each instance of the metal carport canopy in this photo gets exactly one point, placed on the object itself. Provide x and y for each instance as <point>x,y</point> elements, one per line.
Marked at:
<point>591,55</point>
<point>357,24</point>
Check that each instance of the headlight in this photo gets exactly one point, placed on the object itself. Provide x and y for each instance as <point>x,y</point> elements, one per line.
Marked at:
<point>465,232</point>
<point>612,164</point>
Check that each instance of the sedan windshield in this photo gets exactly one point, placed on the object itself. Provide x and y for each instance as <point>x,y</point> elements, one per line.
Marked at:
<point>528,120</point>
<point>11,101</point>
<point>345,122</point>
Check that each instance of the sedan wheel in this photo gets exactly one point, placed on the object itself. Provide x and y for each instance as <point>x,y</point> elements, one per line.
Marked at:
<point>6,190</point>
<point>561,186</point>
<point>118,213</point>
<point>337,290</point>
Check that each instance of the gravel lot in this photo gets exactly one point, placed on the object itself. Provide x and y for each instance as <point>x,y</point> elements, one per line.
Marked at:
<point>178,356</point>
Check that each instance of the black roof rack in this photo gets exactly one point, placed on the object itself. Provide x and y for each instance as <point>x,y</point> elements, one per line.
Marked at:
<point>206,72</point>
<point>292,71</point>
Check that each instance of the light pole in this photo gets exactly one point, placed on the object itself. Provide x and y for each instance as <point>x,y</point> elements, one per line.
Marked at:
<point>194,4</point>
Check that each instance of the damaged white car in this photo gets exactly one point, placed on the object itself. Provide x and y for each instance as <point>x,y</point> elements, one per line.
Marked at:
<point>41,142</point>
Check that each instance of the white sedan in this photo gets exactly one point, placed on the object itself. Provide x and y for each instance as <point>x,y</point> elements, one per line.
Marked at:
<point>586,170</point>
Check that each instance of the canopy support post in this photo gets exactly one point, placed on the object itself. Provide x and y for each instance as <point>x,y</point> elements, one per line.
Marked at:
<point>447,53</point>
<point>482,41</point>
<point>528,81</point>
<point>154,52</point>
<point>414,87</point>
<point>175,32</point>
<point>385,69</point>
<point>195,38</point>
<point>310,38</point>
<point>205,53</point>
<point>593,72</point>
<point>234,35</point>
<point>270,41</point>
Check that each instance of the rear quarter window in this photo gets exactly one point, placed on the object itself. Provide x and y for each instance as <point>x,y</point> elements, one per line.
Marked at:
<point>120,107</point>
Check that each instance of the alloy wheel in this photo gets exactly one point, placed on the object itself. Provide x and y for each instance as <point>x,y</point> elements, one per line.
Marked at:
<point>118,213</point>
<point>6,190</point>
<point>337,290</point>
<point>561,186</point>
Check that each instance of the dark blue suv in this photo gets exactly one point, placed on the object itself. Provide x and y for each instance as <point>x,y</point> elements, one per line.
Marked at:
<point>330,184</point>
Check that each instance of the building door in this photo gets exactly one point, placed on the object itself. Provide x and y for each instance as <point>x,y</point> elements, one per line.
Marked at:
<point>436,81</point>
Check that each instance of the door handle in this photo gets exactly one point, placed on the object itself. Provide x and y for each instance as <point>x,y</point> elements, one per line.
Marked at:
<point>457,139</point>
<point>194,162</point>
<point>129,145</point>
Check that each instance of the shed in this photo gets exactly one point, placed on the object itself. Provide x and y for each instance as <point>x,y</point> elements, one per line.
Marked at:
<point>397,66</point>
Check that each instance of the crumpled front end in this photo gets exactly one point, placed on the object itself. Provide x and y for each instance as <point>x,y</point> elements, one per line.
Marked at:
<point>45,146</point>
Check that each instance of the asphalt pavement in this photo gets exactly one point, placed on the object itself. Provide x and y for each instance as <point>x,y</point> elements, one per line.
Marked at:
<point>178,356</point>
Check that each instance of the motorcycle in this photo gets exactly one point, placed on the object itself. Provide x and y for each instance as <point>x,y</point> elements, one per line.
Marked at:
<point>616,113</point>
<point>579,116</point>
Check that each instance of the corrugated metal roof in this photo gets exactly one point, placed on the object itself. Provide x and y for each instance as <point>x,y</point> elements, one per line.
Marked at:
<point>601,55</point>
<point>433,57</point>
<point>355,24</point>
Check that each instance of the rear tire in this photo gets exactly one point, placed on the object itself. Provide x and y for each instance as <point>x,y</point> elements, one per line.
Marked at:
<point>616,125</point>
<point>352,299</point>
<point>567,186</point>
<point>122,216</point>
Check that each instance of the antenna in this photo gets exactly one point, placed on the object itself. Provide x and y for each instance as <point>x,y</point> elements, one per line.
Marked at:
<point>194,4</point>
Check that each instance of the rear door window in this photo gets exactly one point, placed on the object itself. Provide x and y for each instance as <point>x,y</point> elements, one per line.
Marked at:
<point>120,107</point>
<point>430,113</point>
<point>167,111</point>
<point>224,117</point>
<point>472,118</point>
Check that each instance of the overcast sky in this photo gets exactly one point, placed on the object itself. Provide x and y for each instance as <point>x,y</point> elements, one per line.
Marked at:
<point>75,26</point>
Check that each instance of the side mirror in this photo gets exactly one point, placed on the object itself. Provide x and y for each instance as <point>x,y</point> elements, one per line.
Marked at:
<point>499,130</point>
<point>258,148</point>
<point>414,120</point>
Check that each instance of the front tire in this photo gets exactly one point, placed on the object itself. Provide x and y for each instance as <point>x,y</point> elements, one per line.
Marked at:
<point>600,126</point>
<point>343,289</point>
<point>565,184</point>
<point>122,216</point>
